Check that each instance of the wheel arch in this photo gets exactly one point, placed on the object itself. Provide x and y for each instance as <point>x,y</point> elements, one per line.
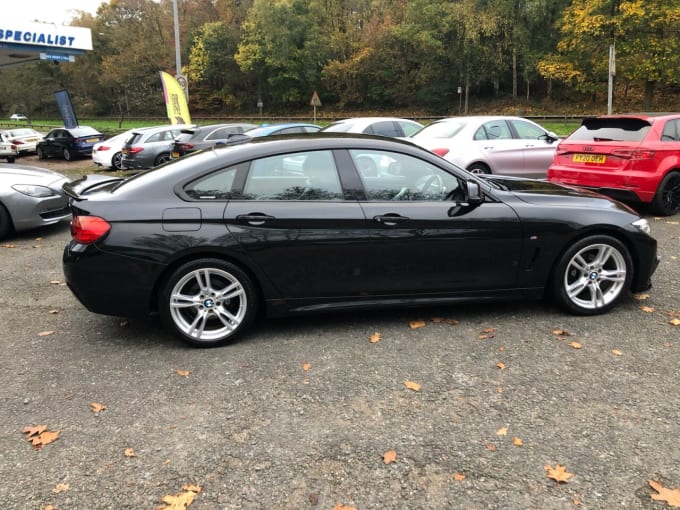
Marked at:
<point>9,229</point>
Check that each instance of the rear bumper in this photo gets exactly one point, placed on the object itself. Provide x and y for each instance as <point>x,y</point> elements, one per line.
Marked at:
<point>627,186</point>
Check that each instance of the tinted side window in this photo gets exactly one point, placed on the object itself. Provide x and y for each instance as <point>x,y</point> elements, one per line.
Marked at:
<point>493,130</point>
<point>391,176</point>
<point>216,186</point>
<point>526,130</point>
<point>156,137</point>
<point>671,131</point>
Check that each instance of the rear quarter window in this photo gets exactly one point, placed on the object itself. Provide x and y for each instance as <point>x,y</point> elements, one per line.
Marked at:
<point>611,130</point>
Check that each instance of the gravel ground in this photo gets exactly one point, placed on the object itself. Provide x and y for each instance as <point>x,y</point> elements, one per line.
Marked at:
<point>300,413</point>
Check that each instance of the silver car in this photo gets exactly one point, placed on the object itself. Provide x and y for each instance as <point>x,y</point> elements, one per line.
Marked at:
<point>491,145</point>
<point>150,147</point>
<point>30,197</point>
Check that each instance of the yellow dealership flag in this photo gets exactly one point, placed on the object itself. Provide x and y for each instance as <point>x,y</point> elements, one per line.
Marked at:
<point>175,100</point>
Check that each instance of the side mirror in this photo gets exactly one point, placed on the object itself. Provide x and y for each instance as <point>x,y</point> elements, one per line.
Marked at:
<point>474,193</point>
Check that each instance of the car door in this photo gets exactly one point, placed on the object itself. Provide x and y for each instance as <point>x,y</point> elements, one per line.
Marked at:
<point>538,147</point>
<point>56,140</point>
<point>297,225</point>
<point>503,153</point>
<point>425,239</point>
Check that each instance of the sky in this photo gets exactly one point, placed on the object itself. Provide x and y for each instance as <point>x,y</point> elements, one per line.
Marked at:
<point>51,11</point>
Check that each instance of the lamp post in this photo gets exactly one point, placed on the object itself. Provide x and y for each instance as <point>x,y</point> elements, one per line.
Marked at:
<point>181,79</point>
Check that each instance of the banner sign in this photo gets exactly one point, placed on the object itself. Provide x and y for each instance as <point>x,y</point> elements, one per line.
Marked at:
<point>68,114</point>
<point>175,100</point>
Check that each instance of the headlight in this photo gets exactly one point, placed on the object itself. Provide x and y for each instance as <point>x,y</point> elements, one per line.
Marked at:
<point>643,225</point>
<point>34,191</point>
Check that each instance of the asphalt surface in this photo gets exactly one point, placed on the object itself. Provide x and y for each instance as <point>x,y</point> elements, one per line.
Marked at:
<point>300,413</point>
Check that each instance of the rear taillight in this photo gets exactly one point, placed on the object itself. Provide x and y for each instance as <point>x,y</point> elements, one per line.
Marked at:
<point>17,142</point>
<point>441,152</point>
<point>633,154</point>
<point>135,150</point>
<point>103,148</point>
<point>88,229</point>
<point>185,146</point>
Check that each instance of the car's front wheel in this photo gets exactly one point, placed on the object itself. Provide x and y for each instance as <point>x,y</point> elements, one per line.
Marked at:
<point>117,161</point>
<point>208,302</point>
<point>479,168</point>
<point>67,154</point>
<point>41,153</point>
<point>592,275</point>
<point>667,198</point>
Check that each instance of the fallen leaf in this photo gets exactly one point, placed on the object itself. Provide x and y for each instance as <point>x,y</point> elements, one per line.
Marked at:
<point>452,322</point>
<point>375,337</point>
<point>670,496</point>
<point>43,438</point>
<point>503,431</point>
<point>46,333</point>
<point>489,330</point>
<point>558,473</point>
<point>390,456</point>
<point>674,322</point>
<point>34,431</point>
<point>10,246</point>
<point>490,447</point>
<point>183,373</point>
<point>416,324</point>
<point>192,488</point>
<point>437,320</point>
<point>576,501</point>
<point>179,502</point>
<point>49,507</point>
<point>561,332</point>
<point>641,297</point>
<point>340,506</point>
<point>55,282</point>
<point>129,452</point>
<point>412,385</point>
<point>306,366</point>
<point>53,312</point>
<point>459,477</point>
<point>575,345</point>
<point>517,441</point>
<point>667,345</point>
<point>647,309</point>
<point>499,389</point>
<point>616,352</point>
<point>97,408</point>
<point>61,487</point>
<point>500,365</point>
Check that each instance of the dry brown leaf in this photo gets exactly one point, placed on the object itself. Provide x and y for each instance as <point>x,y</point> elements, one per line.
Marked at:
<point>61,487</point>
<point>561,332</point>
<point>340,506</point>
<point>306,367</point>
<point>192,488</point>
<point>670,496</point>
<point>53,312</point>
<point>499,389</point>
<point>452,322</point>
<point>416,324</point>
<point>674,322</point>
<point>575,345</point>
<point>490,447</point>
<point>49,507</point>
<point>459,477</point>
<point>412,385</point>
<point>517,441</point>
<point>503,431</point>
<point>96,407</point>
<point>34,431</point>
<point>558,473</point>
<point>641,297</point>
<point>390,456</point>
<point>489,330</point>
<point>375,337</point>
<point>179,502</point>
<point>617,352</point>
<point>130,452</point>
<point>44,438</point>
<point>46,333</point>
<point>183,373</point>
<point>10,246</point>
<point>500,365</point>
<point>647,309</point>
<point>437,320</point>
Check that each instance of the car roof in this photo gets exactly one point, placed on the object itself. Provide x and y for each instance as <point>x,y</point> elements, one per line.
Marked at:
<point>264,130</point>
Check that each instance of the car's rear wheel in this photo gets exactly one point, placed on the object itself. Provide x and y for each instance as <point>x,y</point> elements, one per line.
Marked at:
<point>479,168</point>
<point>67,154</point>
<point>11,159</point>
<point>41,153</point>
<point>208,302</point>
<point>6,225</point>
<point>162,158</point>
<point>667,198</point>
<point>592,275</point>
<point>117,161</point>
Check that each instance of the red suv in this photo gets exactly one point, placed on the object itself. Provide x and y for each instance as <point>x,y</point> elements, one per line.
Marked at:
<point>634,158</point>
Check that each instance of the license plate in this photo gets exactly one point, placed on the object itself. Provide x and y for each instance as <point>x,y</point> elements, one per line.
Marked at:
<point>92,140</point>
<point>175,155</point>
<point>125,151</point>
<point>589,158</point>
<point>32,140</point>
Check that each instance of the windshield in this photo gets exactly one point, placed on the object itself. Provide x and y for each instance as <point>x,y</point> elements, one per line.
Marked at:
<point>611,129</point>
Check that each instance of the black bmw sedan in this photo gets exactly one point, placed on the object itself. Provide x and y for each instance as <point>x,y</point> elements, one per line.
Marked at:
<point>336,222</point>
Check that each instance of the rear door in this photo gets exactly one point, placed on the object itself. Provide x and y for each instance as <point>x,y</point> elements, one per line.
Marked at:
<point>538,148</point>
<point>504,153</point>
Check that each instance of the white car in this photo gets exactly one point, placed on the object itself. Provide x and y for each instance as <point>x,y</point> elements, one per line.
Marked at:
<point>25,139</point>
<point>108,154</point>
<point>18,116</point>
<point>383,126</point>
<point>491,145</point>
<point>8,151</point>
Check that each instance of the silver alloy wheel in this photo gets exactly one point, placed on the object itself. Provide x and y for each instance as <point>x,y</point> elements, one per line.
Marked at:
<point>595,276</point>
<point>208,304</point>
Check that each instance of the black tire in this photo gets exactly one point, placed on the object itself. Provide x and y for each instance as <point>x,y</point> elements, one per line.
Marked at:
<point>479,168</point>
<point>117,161</point>
<point>11,159</point>
<point>67,154</point>
<point>592,275</point>
<point>164,157</point>
<point>667,198</point>
<point>198,313</point>
<point>41,153</point>
<point>6,225</point>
